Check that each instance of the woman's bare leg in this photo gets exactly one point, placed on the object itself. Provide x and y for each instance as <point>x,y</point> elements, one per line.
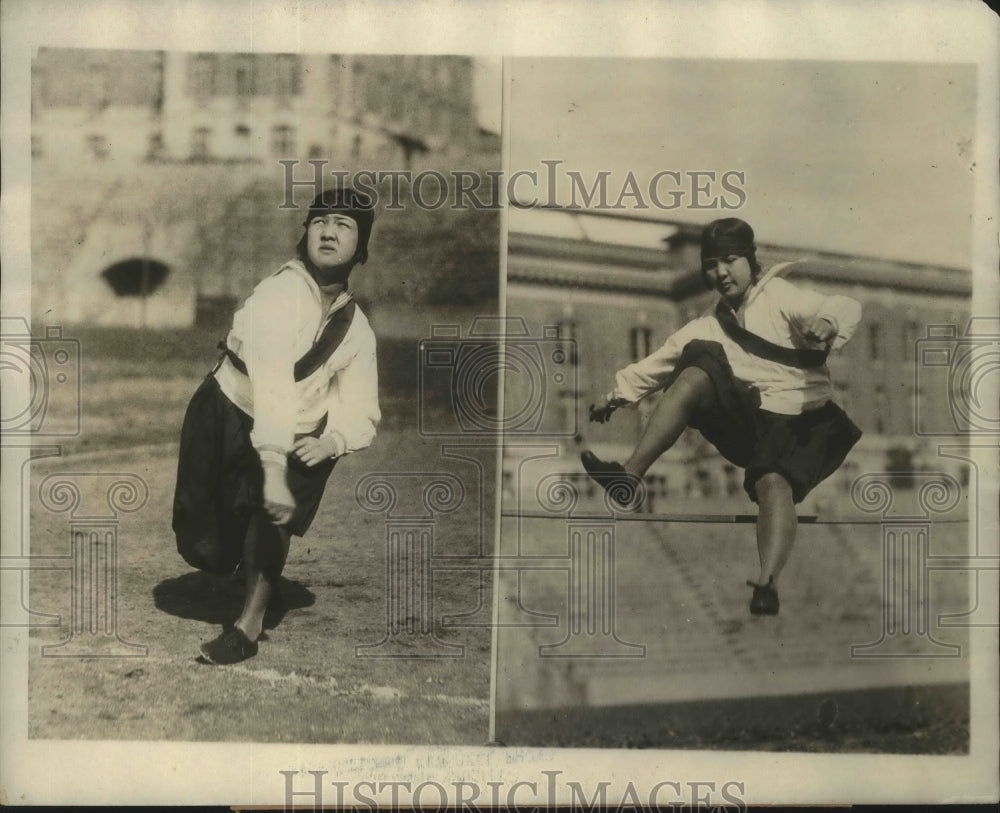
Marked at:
<point>264,556</point>
<point>776,526</point>
<point>692,390</point>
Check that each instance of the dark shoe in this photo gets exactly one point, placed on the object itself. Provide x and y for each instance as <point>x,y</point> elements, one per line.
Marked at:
<point>621,486</point>
<point>232,646</point>
<point>765,599</point>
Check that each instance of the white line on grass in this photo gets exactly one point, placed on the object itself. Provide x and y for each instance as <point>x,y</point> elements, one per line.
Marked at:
<point>273,676</point>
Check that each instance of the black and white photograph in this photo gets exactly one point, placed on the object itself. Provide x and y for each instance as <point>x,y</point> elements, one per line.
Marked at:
<point>241,255</point>
<point>741,476</point>
<point>490,405</point>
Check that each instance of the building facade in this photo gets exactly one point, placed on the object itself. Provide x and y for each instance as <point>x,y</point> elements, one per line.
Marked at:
<point>147,159</point>
<point>101,106</point>
<point>616,298</point>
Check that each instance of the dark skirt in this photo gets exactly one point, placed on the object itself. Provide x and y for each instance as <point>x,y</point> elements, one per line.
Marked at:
<point>220,482</point>
<point>804,449</point>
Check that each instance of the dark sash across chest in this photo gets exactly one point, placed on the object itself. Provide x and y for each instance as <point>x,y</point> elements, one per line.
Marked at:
<point>801,357</point>
<point>329,340</point>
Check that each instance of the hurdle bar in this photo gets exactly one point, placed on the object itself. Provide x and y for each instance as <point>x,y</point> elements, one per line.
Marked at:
<point>720,519</point>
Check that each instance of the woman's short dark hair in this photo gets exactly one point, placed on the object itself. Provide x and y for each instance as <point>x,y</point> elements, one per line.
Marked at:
<point>346,201</point>
<point>726,237</point>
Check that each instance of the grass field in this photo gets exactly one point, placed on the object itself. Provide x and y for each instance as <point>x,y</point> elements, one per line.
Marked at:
<point>308,683</point>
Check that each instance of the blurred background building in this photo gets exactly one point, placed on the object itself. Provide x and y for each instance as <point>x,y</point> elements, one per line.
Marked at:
<point>126,107</point>
<point>612,288</point>
<point>156,185</point>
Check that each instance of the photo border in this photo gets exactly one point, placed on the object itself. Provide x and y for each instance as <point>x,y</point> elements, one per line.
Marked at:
<point>59,772</point>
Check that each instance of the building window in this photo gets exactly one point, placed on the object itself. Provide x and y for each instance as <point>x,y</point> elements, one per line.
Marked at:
<point>356,146</point>
<point>202,75</point>
<point>289,80</point>
<point>98,146</point>
<point>39,88</point>
<point>875,341</point>
<point>199,144</point>
<point>396,105</point>
<point>283,140</point>
<point>335,79</point>
<point>97,92</point>
<point>36,147</point>
<point>458,126</point>
<point>359,89</point>
<point>640,342</point>
<point>315,151</point>
<point>567,333</point>
<point>244,146</point>
<point>444,75</point>
<point>155,149</point>
<point>378,95</point>
<point>244,77</point>
<point>437,116</point>
<point>880,409</point>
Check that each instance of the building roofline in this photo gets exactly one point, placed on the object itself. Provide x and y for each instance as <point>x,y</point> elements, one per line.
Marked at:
<point>635,268</point>
<point>634,257</point>
<point>785,252</point>
<point>565,272</point>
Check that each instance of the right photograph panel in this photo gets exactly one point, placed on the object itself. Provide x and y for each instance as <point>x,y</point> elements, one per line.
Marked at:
<point>740,384</point>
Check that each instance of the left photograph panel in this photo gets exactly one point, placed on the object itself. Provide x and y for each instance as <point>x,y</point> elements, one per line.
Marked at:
<point>256,505</point>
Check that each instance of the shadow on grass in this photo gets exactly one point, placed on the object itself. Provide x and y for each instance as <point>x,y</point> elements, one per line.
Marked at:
<point>200,596</point>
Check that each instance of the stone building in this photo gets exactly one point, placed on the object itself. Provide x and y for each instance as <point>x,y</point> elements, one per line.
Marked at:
<point>130,106</point>
<point>613,288</point>
<point>142,159</point>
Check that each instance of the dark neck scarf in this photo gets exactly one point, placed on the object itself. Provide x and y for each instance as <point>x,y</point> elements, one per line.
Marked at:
<point>803,358</point>
<point>316,356</point>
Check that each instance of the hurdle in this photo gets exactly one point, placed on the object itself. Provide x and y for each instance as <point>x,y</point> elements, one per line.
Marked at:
<point>712,519</point>
<point>904,535</point>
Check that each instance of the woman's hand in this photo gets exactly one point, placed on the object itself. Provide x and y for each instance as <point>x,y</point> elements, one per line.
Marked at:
<point>312,450</point>
<point>278,500</point>
<point>602,413</point>
<point>818,329</point>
